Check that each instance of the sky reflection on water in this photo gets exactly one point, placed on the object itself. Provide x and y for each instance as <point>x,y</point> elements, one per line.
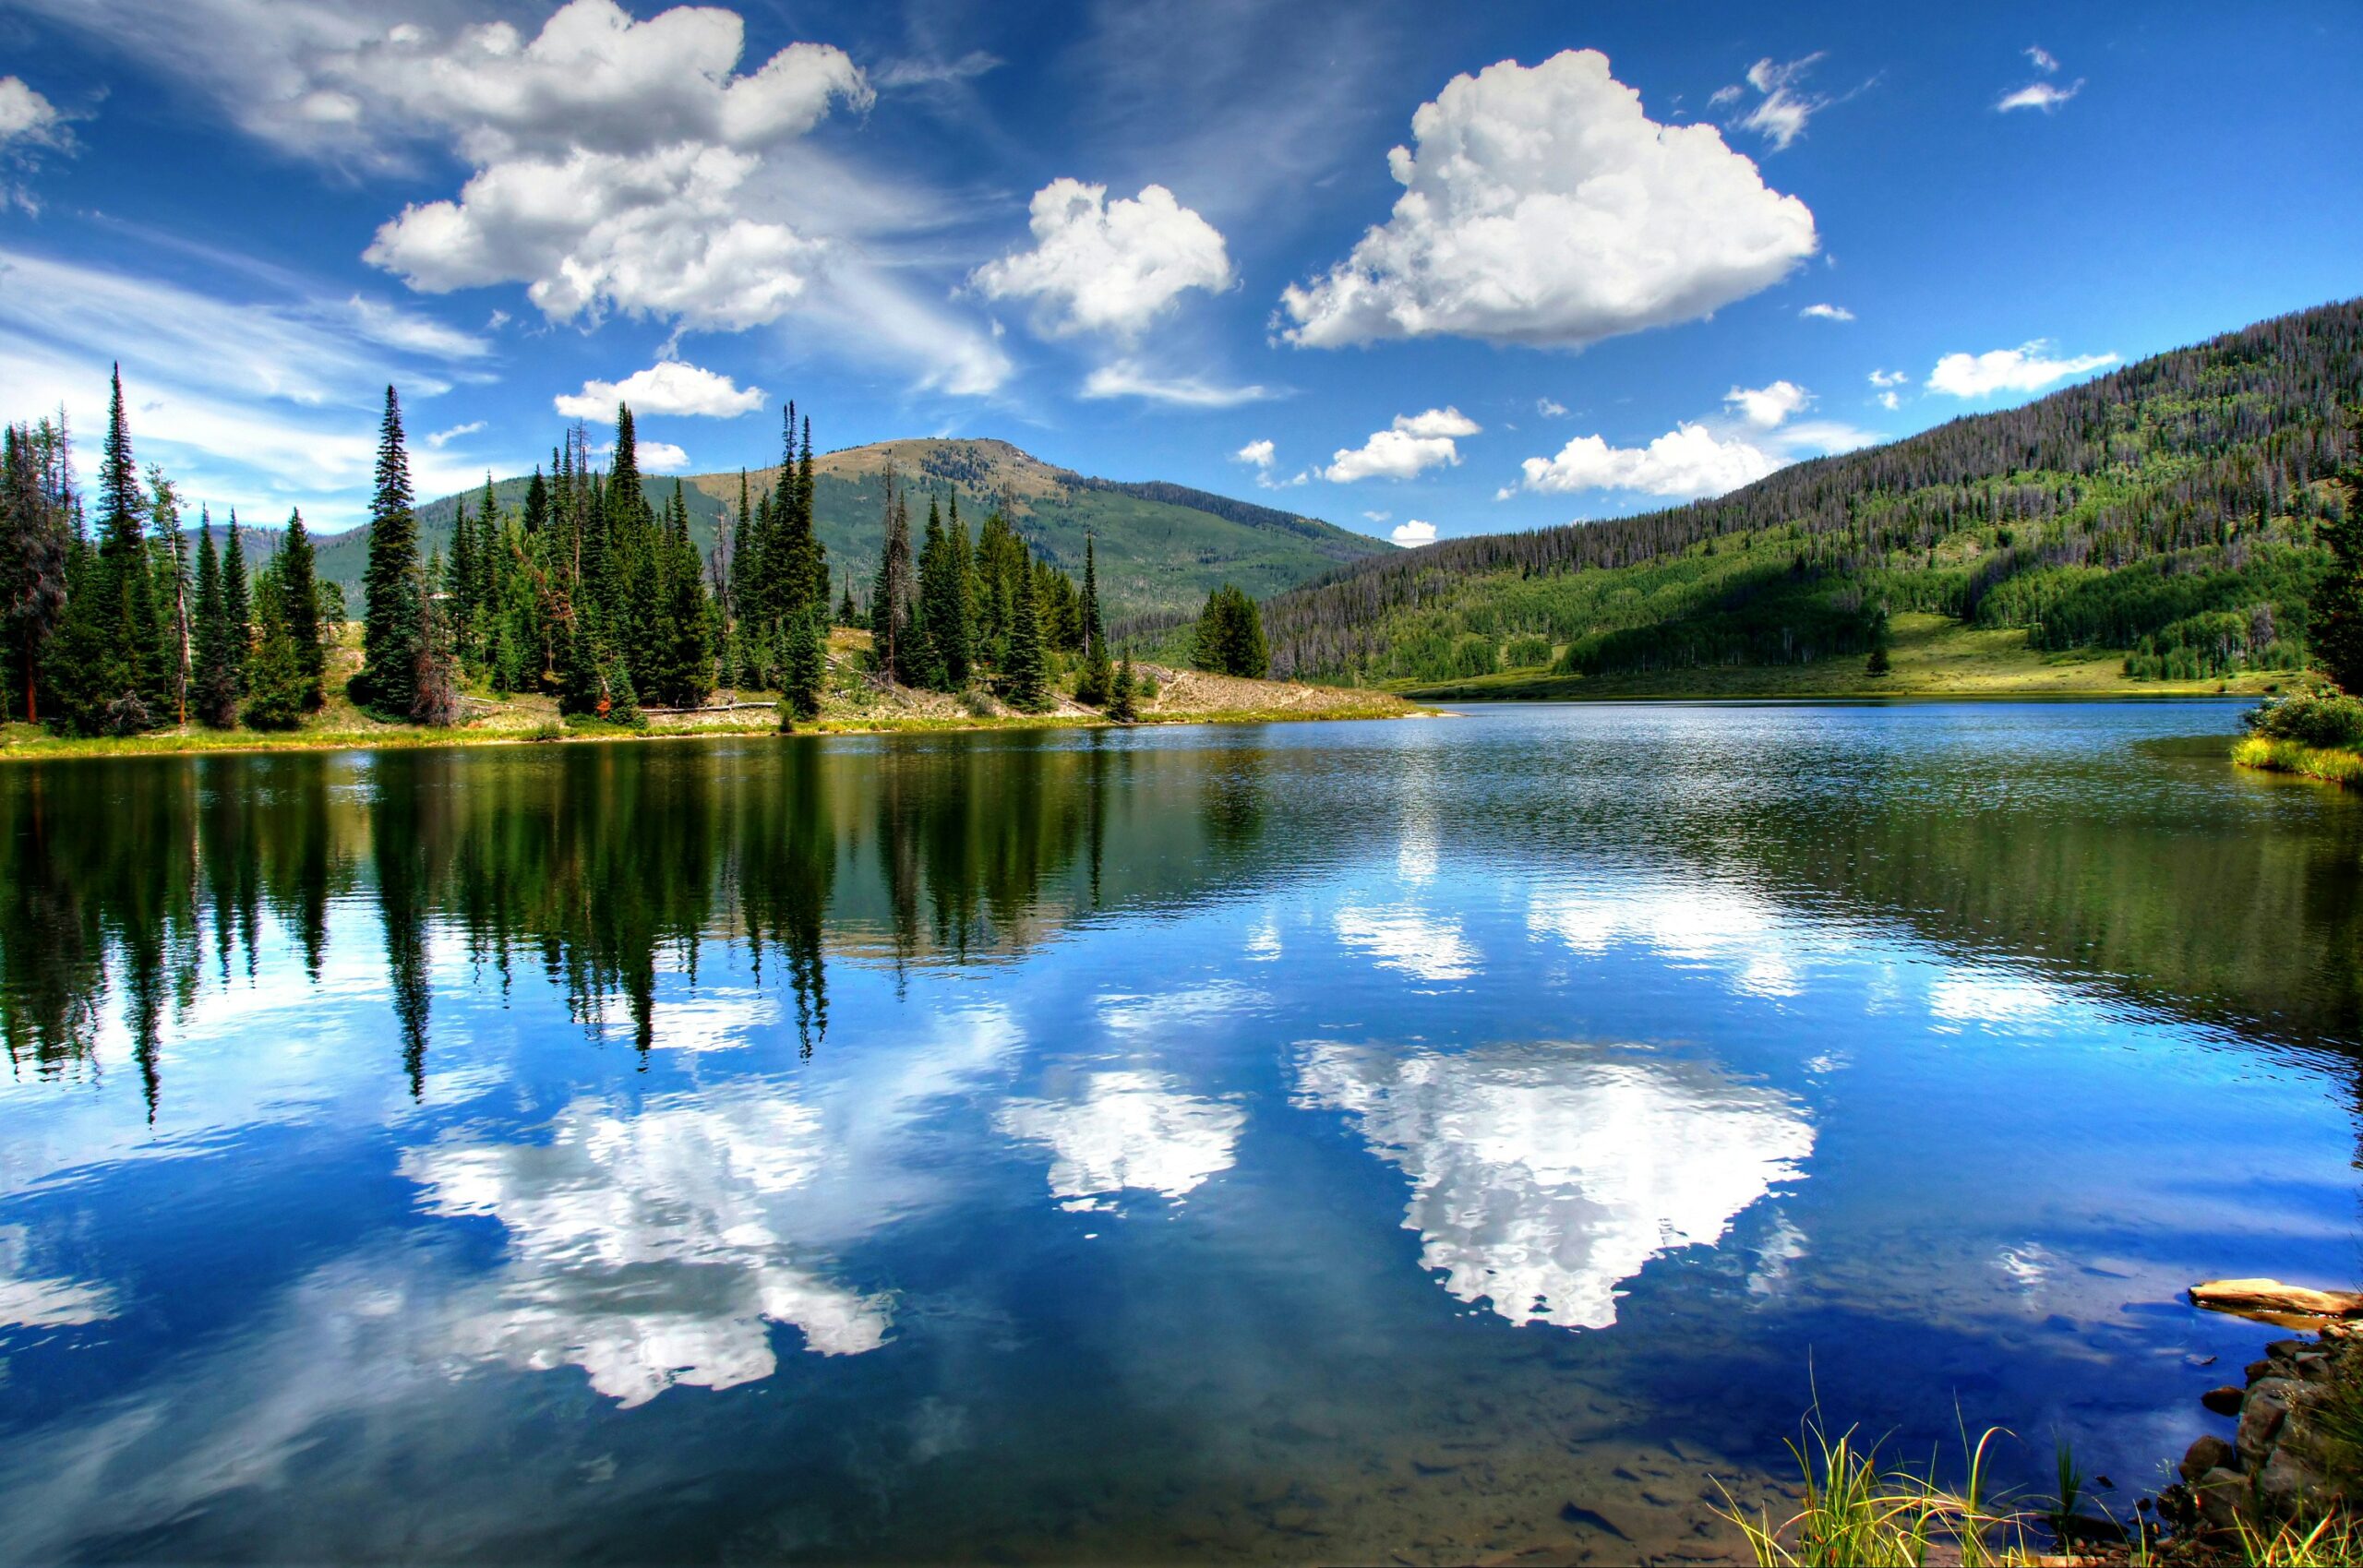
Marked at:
<point>1283,1143</point>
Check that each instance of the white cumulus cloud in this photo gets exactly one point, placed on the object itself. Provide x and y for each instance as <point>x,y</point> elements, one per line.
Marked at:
<point>1688,460</point>
<point>667,387</point>
<point>1827,313</point>
<point>1259,453</point>
<point>1101,266</point>
<point>2027,368</point>
<point>1415,533</point>
<point>1765,407</point>
<point>1541,206</point>
<point>612,159</point>
<point>1415,442</point>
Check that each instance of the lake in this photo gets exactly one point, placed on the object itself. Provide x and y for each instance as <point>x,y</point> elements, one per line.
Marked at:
<point>1433,1138</point>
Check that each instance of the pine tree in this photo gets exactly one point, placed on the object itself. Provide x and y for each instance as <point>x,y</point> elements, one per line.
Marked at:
<point>299,584</point>
<point>938,618</point>
<point>686,660</point>
<point>892,591</point>
<point>106,665</point>
<point>1095,628</point>
<point>172,584</point>
<point>434,684</point>
<point>1230,635</point>
<point>1122,697</point>
<point>847,615</point>
<point>462,580</point>
<point>2337,633</point>
<point>1028,691</point>
<point>1095,683</point>
<point>34,539</point>
<point>804,661</point>
<point>276,679</point>
<point>237,605</point>
<point>217,692</point>
<point>392,623</point>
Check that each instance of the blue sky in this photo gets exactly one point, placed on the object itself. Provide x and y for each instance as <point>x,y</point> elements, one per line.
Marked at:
<point>1144,240</point>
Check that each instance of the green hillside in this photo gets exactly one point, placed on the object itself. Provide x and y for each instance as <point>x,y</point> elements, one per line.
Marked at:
<point>2162,515</point>
<point>1161,546</point>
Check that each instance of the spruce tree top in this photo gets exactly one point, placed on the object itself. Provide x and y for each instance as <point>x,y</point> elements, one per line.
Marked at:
<point>391,501</point>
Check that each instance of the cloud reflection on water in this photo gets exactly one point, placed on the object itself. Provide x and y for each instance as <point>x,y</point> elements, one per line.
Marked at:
<point>1543,1175</point>
<point>1128,1131</point>
<point>643,1246</point>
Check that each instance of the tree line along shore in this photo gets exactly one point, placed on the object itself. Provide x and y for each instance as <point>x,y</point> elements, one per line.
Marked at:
<point>584,611</point>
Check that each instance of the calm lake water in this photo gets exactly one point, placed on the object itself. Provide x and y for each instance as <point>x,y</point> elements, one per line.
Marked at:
<point>1441,1138</point>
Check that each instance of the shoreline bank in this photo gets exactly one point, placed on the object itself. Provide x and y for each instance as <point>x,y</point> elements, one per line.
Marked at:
<point>2330,765</point>
<point>21,743</point>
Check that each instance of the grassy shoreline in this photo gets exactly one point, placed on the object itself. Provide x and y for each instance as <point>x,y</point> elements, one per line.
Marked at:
<point>23,743</point>
<point>2268,754</point>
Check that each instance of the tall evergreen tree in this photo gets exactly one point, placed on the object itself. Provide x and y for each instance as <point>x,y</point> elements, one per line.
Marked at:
<point>34,539</point>
<point>1024,671</point>
<point>217,692</point>
<point>106,662</point>
<point>392,623</point>
<point>462,580</point>
<point>687,659</point>
<point>803,660</point>
<point>237,603</point>
<point>299,584</point>
<point>172,564</point>
<point>1095,683</point>
<point>894,591</point>
<point>1094,627</point>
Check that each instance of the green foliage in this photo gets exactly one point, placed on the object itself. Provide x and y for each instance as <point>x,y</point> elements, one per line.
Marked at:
<point>279,686</point>
<point>303,598</point>
<point>2324,719</point>
<point>1858,1512</point>
<point>804,660</point>
<point>1230,635</point>
<point>216,694</point>
<point>1123,701</point>
<point>391,629</point>
<point>1023,670</point>
<point>2338,601</point>
<point>107,664</point>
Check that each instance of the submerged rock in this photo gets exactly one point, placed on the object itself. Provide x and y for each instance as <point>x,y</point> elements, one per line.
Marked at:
<point>2223,1400</point>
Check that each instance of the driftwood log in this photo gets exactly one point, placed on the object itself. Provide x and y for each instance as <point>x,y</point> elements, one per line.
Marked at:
<point>2276,1302</point>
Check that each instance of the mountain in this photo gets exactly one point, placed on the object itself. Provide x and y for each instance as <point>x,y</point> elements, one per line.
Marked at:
<point>1161,546</point>
<point>2167,509</point>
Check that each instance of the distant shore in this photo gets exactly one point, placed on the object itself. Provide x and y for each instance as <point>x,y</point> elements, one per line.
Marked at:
<point>1932,657</point>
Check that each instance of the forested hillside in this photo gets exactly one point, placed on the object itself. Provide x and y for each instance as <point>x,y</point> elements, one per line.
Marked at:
<point>1161,547</point>
<point>2167,509</point>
